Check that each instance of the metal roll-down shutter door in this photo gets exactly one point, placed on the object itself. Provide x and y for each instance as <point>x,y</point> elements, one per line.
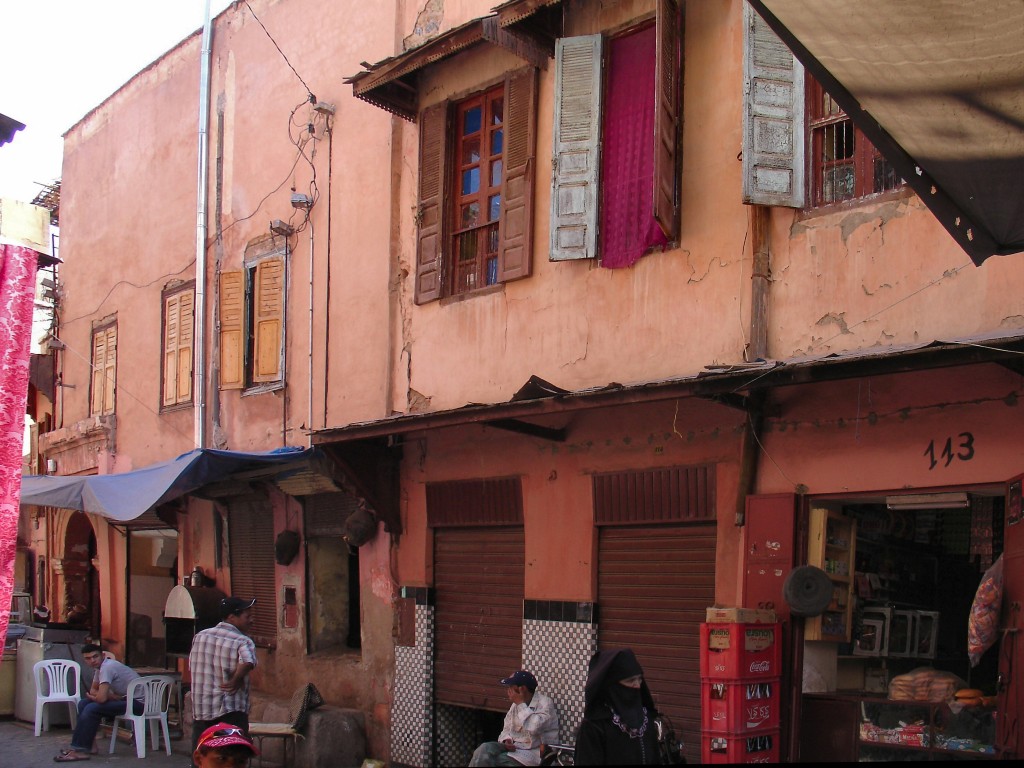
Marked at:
<point>478,640</point>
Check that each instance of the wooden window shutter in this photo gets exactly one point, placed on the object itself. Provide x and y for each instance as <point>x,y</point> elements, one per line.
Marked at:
<point>186,326</point>
<point>668,117</point>
<point>171,320</point>
<point>773,118</point>
<point>576,136</point>
<point>178,324</point>
<point>232,330</point>
<point>516,229</point>
<point>110,370</point>
<point>268,320</point>
<point>430,240</point>
<point>99,352</point>
<point>104,370</point>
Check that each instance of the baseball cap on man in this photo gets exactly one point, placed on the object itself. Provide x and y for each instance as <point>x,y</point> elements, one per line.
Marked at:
<point>229,606</point>
<point>224,735</point>
<point>522,677</point>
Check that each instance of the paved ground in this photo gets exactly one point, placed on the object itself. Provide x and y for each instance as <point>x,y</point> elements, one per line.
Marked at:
<point>20,748</point>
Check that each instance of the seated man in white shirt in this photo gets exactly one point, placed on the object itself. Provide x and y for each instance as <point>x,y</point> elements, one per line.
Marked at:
<point>530,722</point>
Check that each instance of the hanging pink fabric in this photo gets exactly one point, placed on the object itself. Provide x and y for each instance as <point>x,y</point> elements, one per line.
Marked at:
<point>17,288</point>
<point>628,227</point>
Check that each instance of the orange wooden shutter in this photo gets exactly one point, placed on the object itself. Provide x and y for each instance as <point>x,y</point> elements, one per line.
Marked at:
<point>516,228</point>
<point>186,323</point>
<point>109,369</point>
<point>178,323</point>
<point>99,353</point>
<point>268,320</point>
<point>232,331</point>
<point>430,242</point>
<point>171,333</point>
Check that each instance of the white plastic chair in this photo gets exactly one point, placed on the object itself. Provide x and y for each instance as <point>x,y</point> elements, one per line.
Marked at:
<point>63,685</point>
<point>157,692</point>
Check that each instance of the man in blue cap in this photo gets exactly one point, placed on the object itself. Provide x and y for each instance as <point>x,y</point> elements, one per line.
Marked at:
<point>531,721</point>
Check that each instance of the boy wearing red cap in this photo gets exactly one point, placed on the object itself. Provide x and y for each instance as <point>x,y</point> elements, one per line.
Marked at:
<point>223,746</point>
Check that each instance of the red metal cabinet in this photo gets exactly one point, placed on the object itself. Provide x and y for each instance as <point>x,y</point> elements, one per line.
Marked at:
<point>769,550</point>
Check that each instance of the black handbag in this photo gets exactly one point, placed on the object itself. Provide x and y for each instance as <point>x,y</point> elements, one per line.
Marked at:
<point>670,745</point>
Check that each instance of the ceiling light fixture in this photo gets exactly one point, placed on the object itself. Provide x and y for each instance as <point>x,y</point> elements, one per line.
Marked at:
<point>913,501</point>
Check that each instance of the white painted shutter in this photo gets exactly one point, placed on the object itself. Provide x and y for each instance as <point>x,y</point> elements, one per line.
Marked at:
<point>773,118</point>
<point>575,169</point>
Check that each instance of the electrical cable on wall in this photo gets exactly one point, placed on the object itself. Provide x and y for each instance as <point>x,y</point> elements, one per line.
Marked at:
<point>121,389</point>
<point>312,98</point>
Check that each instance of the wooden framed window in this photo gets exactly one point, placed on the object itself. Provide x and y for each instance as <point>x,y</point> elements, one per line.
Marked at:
<point>844,164</point>
<point>616,131</point>
<point>178,324</point>
<point>252,330</point>
<point>104,370</point>
<point>476,189</point>
<point>479,157</point>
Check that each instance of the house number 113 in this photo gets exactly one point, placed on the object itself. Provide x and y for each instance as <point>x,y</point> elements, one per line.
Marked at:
<point>963,449</point>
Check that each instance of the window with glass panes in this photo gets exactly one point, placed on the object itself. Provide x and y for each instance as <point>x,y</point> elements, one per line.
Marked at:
<point>479,149</point>
<point>844,164</point>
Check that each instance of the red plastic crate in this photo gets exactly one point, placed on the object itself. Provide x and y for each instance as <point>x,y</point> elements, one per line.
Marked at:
<point>738,652</point>
<point>740,707</point>
<point>749,748</point>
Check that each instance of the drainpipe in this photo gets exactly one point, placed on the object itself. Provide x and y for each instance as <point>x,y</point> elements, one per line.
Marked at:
<point>757,349</point>
<point>309,410</point>
<point>759,282</point>
<point>199,363</point>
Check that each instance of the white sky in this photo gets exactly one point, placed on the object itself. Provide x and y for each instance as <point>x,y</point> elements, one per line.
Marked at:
<point>61,58</point>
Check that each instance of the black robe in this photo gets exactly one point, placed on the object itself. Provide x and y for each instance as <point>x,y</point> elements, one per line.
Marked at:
<point>599,740</point>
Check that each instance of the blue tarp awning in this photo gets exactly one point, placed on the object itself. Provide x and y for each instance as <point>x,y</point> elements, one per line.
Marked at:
<point>127,495</point>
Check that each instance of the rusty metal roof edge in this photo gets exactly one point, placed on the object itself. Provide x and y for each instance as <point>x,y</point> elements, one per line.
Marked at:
<point>516,10</point>
<point>403,63</point>
<point>712,380</point>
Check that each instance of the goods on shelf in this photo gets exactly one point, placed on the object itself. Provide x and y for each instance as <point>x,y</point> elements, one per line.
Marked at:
<point>925,684</point>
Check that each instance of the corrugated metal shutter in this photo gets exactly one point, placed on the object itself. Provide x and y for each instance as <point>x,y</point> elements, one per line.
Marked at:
<point>654,584</point>
<point>326,513</point>
<point>491,501</point>
<point>664,495</point>
<point>251,545</point>
<point>478,577</point>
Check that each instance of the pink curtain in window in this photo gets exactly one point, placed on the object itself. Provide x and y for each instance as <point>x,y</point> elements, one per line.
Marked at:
<point>628,227</point>
<point>17,289</point>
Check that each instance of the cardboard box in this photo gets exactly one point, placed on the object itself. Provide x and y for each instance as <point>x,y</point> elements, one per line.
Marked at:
<point>730,615</point>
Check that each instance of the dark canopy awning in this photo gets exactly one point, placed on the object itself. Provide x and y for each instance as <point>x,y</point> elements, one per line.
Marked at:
<point>938,87</point>
<point>127,495</point>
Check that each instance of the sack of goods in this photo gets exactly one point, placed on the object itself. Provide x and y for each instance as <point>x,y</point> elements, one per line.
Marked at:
<point>925,684</point>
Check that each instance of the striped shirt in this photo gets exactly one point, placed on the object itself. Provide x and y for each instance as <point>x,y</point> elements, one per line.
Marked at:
<point>216,653</point>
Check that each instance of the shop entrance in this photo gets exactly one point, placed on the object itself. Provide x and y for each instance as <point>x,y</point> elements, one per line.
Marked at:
<point>890,652</point>
<point>918,565</point>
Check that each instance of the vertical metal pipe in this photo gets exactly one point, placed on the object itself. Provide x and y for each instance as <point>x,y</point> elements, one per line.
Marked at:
<point>309,410</point>
<point>199,335</point>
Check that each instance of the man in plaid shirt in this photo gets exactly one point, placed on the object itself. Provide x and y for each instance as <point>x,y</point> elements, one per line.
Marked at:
<point>220,662</point>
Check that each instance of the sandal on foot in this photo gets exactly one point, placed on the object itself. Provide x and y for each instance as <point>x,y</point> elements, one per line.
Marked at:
<point>70,756</point>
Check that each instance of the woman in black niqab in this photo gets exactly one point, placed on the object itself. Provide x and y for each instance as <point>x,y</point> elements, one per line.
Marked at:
<point>618,720</point>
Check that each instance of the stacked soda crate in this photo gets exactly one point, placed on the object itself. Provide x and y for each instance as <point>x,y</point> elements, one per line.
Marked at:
<point>740,671</point>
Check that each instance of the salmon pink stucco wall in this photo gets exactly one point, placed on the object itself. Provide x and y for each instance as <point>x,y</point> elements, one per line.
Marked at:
<point>556,481</point>
<point>884,275</point>
<point>873,435</point>
<point>869,273</point>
